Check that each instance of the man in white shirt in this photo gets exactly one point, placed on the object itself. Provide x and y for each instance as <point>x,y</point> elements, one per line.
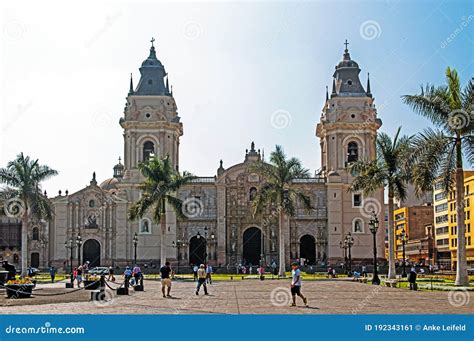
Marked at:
<point>296,285</point>
<point>209,273</point>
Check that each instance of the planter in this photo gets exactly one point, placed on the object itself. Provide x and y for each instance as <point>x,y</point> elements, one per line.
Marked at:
<point>19,290</point>
<point>91,285</point>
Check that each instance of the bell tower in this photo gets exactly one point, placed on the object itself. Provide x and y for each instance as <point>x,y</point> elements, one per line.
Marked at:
<point>347,131</point>
<point>151,123</point>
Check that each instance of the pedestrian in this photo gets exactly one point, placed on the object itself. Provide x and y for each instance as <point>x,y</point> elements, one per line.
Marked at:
<point>329,272</point>
<point>11,270</point>
<point>85,268</point>
<point>209,273</point>
<point>74,274</point>
<point>195,272</point>
<point>52,273</point>
<point>364,271</point>
<point>296,285</point>
<point>127,274</point>
<point>412,279</point>
<point>274,268</point>
<point>137,273</point>
<point>431,269</point>
<point>261,271</point>
<point>111,274</point>
<point>333,273</point>
<point>250,269</point>
<point>165,273</point>
<point>79,276</point>
<point>202,280</point>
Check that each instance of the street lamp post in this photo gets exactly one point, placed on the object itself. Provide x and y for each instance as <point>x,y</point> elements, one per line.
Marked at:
<point>70,245</point>
<point>78,243</point>
<point>343,245</point>
<point>178,244</point>
<point>213,242</point>
<point>349,242</point>
<point>374,225</point>
<point>403,236</point>
<point>135,244</point>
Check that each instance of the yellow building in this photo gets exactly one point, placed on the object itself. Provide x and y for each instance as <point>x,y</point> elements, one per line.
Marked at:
<point>469,220</point>
<point>440,208</point>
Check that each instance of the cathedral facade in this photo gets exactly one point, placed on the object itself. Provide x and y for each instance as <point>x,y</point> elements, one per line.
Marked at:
<point>220,227</point>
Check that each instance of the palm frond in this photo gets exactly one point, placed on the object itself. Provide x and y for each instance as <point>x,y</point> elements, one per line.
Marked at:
<point>454,89</point>
<point>432,103</point>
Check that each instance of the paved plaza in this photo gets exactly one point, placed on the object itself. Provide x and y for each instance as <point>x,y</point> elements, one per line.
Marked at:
<point>246,297</point>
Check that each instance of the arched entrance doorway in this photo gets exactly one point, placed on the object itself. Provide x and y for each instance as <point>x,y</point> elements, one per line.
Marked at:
<point>91,252</point>
<point>35,260</point>
<point>252,246</point>
<point>308,248</point>
<point>197,250</point>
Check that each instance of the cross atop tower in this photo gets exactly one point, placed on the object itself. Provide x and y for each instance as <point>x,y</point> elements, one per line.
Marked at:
<point>153,40</point>
<point>346,43</point>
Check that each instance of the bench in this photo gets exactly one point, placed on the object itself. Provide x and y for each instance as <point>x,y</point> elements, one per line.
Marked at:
<point>392,283</point>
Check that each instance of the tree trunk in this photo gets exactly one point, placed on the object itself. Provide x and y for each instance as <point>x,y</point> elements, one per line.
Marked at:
<point>162,239</point>
<point>391,238</point>
<point>24,244</point>
<point>281,240</point>
<point>462,278</point>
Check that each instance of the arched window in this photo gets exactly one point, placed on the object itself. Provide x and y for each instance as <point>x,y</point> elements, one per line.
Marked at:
<point>358,226</point>
<point>35,233</point>
<point>145,226</point>
<point>352,152</point>
<point>252,193</point>
<point>148,149</point>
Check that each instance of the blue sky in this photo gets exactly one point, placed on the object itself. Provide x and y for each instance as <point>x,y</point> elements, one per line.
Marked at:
<point>65,73</point>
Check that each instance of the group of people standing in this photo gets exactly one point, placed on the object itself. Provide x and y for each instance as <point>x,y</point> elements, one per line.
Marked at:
<point>79,272</point>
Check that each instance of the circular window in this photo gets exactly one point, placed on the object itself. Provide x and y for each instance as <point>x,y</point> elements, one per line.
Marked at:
<point>147,115</point>
<point>349,82</point>
<point>91,203</point>
<point>353,116</point>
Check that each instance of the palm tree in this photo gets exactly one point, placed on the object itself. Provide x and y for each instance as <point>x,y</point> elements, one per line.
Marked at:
<point>389,169</point>
<point>439,153</point>
<point>23,196</point>
<point>278,191</point>
<point>158,190</point>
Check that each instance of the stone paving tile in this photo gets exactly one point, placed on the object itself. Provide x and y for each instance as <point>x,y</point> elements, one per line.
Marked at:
<point>255,297</point>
